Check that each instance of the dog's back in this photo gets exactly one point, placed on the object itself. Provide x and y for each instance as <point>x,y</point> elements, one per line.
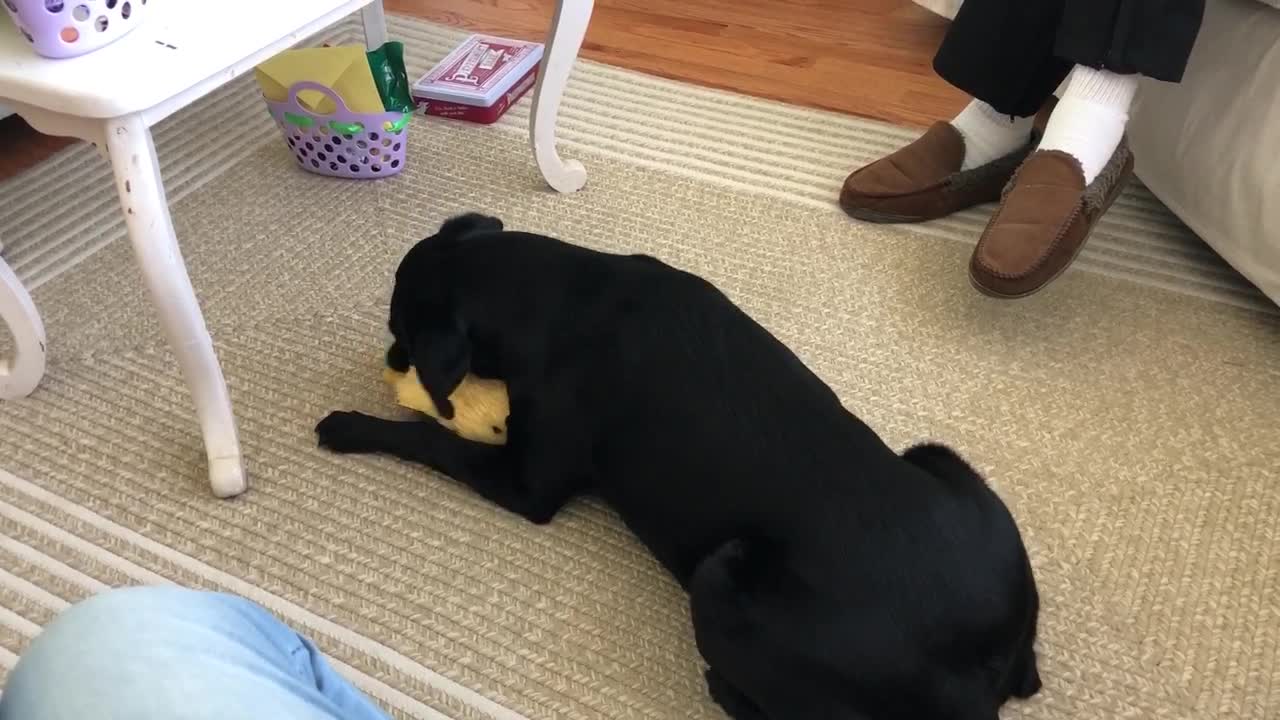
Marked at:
<point>830,576</point>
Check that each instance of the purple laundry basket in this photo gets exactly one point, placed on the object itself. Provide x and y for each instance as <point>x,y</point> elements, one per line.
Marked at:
<point>67,28</point>
<point>343,144</point>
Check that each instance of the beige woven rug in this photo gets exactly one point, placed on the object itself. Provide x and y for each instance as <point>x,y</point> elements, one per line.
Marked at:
<point>1128,415</point>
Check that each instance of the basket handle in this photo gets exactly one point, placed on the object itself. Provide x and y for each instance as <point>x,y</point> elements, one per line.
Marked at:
<point>340,108</point>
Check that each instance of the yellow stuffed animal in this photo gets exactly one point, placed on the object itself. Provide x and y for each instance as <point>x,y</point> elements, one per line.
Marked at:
<point>480,405</point>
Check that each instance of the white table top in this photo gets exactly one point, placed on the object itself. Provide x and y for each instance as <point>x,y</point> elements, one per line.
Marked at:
<point>212,43</point>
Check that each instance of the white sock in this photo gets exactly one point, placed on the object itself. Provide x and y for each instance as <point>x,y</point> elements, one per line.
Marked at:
<point>1089,121</point>
<point>988,135</point>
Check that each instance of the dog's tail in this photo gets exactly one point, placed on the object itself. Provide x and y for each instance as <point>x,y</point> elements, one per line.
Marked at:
<point>460,226</point>
<point>943,463</point>
<point>1024,676</point>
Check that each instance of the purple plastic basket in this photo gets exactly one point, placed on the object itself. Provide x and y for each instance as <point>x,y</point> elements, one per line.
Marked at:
<point>67,28</point>
<point>343,144</point>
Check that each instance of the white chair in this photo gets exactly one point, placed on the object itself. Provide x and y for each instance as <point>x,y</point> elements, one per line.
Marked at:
<point>112,98</point>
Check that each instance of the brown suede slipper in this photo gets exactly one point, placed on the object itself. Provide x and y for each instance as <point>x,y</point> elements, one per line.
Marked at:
<point>1043,222</point>
<point>923,180</point>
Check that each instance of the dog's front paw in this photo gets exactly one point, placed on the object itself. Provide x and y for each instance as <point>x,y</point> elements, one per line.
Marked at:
<point>344,432</point>
<point>398,358</point>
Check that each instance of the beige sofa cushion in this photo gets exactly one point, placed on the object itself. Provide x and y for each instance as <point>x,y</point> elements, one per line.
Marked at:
<point>947,8</point>
<point>1209,148</point>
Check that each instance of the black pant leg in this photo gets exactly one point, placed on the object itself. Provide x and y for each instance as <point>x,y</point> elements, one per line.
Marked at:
<point>1002,52</point>
<point>1149,37</point>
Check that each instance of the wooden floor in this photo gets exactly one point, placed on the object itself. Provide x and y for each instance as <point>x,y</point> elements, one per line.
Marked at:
<point>22,148</point>
<point>865,57</point>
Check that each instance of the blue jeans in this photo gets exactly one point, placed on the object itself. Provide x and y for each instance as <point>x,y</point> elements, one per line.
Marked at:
<point>163,653</point>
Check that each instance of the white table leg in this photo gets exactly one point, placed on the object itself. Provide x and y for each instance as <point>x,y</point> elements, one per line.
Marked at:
<point>141,192</point>
<point>375,25</point>
<point>568,28</point>
<point>19,376</point>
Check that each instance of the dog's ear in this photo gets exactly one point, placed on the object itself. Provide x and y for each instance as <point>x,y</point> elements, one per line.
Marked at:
<point>441,353</point>
<point>458,227</point>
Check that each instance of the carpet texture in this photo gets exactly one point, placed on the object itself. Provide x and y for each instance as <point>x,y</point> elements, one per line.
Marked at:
<point>1127,415</point>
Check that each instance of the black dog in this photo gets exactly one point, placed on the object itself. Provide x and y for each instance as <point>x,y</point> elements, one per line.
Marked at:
<point>829,577</point>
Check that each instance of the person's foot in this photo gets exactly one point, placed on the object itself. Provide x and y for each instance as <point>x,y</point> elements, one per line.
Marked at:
<point>990,134</point>
<point>953,166</point>
<point>1044,220</point>
<point>1088,122</point>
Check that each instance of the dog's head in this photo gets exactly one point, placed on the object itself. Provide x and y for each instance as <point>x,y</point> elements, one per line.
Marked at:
<point>427,326</point>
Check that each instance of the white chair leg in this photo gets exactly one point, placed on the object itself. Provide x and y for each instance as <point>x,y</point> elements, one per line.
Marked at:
<point>568,28</point>
<point>375,25</point>
<point>20,375</point>
<point>142,197</point>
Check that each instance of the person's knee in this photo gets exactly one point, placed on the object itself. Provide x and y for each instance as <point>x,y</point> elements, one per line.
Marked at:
<point>126,650</point>
<point>112,624</point>
<point>96,615</point>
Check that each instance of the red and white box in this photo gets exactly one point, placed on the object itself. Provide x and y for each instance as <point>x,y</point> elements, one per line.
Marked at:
<point>479,80</point>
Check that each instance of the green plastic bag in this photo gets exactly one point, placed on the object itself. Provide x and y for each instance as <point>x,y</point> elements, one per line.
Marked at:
<point>387,64</point>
